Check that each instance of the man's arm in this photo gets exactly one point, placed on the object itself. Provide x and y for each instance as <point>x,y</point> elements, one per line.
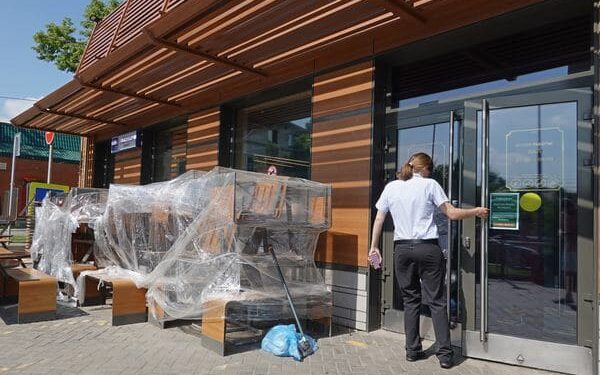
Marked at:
<point>454,213</point>
<point>377,227</point>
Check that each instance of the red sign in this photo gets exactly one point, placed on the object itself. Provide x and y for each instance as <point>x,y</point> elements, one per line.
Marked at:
<point>49,138</point>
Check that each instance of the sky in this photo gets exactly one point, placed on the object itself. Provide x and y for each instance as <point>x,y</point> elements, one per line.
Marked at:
<point>22,75</point>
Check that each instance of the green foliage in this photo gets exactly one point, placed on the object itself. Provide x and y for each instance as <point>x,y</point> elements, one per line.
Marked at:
<point>63,44</point>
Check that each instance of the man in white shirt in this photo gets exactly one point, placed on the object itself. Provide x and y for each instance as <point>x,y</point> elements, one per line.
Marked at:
<point>419,264</point>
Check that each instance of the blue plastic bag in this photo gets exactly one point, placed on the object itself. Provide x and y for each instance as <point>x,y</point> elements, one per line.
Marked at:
<point>282,340</point>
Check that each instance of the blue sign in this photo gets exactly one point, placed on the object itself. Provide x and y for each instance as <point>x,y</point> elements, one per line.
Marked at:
<point>125,141</point>
<point>40,193</point>
<point>36,191</point>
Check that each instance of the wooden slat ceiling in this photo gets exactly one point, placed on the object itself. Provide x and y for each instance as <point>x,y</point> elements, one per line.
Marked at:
<point>151,60</point>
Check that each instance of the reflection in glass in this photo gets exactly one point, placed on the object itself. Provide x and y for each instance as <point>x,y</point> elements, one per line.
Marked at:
<point>277,133</point>
<point>169,153</point>
<point>532,271</point>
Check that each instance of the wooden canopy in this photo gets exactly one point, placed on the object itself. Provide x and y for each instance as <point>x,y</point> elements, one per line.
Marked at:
<point>151,60</point>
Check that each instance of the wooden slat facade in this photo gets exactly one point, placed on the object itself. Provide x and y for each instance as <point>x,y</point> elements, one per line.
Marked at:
<point>203,140</point>
<point>86,166</point>
<point>128,167</point>
<point>151,60</point>
<point>341,156</point>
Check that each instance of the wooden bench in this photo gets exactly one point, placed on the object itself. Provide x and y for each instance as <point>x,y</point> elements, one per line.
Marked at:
<point>35,293</point>
<point>128,301</point>
<point>220,333</point>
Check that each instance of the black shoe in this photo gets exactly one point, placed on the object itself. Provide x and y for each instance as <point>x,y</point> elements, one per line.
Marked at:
<point>415,356</point>
<point>446,363</point>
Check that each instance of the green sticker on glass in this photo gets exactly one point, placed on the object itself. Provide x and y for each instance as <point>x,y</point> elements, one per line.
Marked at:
<point>504,211</point>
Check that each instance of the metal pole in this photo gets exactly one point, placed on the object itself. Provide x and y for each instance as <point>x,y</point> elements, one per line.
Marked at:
<point>449,230</point>
<point>16,149</point>
<point>49,164</point>
<point>484,223</point>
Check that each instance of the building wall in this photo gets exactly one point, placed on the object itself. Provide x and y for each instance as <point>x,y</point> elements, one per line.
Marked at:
<point>36,170</point>
<point>128,167</point>
<point>203,140</point>
<point>341,156</point>
<point>86,167</point>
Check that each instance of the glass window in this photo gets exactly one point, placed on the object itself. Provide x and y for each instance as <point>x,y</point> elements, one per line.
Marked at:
<point>169,153</point>
<point>275,133</point>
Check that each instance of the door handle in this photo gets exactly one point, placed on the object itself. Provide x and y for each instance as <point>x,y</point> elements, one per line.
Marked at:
<point>449,230</point>
<point>483,274</point>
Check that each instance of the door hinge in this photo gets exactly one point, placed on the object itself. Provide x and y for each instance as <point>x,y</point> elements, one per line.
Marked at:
<point>385,306</point>
<point>384,274</point>
<point>588,116</point>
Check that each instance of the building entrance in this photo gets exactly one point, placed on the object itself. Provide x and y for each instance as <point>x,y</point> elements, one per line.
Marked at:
<point>519,284</point>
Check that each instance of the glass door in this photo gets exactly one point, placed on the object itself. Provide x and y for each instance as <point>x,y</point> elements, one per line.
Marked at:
<point>410,132</point>
<point>527,270</point>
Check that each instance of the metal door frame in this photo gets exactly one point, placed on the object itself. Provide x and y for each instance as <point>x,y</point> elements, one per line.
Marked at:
<point>393,320</point>
<point>576,359</point>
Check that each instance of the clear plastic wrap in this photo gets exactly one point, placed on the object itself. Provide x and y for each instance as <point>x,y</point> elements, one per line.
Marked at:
<point>223,256</point>
<point>141,223</point>
<point>56,220</point>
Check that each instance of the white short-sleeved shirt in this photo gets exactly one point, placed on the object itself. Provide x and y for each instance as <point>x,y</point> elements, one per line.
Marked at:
<point>412,204</point>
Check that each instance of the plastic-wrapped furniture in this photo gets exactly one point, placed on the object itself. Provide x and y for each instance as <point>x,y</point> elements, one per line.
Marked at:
<point>63,239</point>
<point>138,227</point>
<point>220,269</point>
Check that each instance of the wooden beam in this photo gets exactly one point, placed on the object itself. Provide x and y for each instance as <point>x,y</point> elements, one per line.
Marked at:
<point>80,117</point>
<point>401,9</point>
<point>159,42</point>
<point>123,93</point>
<point>44,129</point>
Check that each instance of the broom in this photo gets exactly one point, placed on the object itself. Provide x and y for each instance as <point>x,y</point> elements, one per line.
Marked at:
<point>304,346</point>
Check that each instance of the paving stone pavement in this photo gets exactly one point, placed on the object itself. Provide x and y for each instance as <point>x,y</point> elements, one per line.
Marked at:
<point>82,341</point>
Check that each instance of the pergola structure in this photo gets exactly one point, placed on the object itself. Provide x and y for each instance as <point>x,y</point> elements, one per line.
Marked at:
<point>152,60</point>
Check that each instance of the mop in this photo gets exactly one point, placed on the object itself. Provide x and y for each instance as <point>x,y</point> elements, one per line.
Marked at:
<point>304,346</point>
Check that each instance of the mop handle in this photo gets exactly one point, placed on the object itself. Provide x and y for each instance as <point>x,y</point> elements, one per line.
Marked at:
<point>287,291</point>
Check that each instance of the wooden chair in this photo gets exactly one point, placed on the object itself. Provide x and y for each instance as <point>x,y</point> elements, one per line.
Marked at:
<point>318,210</point>
<point>268,202</point>
<point>5,240</point>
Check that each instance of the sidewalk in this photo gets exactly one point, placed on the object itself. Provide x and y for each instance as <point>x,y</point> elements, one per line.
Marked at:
<point>82,341</point>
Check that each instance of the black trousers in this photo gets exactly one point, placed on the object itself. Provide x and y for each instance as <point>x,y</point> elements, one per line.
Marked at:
<point>420,271</point>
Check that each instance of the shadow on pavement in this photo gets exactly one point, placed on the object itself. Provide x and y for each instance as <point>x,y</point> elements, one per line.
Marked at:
<point>8,313</point>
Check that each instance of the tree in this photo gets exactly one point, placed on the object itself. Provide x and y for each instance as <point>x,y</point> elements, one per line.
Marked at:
<point>63,43</point>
